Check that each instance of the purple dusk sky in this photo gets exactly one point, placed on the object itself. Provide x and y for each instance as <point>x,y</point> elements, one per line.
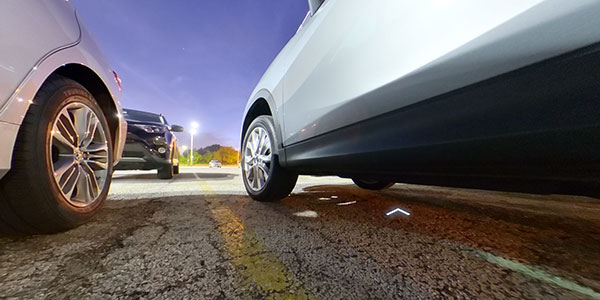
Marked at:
<point>192,60</point>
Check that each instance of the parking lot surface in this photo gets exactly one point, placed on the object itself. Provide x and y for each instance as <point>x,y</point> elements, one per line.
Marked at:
<point>198,236</point>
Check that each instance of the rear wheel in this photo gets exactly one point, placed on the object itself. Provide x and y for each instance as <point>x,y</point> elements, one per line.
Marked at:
<point>62,163</point>
<point>264,178</point>
<point>176,169</point>
<point>372,184</point>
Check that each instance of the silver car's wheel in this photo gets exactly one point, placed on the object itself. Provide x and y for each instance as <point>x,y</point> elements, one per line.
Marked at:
<point>79,154</point>
<point>62,161</point>
<point>264,178</point>
<point>257,159</point>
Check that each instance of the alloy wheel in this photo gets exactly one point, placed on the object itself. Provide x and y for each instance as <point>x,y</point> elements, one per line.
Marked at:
<point>79,154</point>
<point>257,159</point>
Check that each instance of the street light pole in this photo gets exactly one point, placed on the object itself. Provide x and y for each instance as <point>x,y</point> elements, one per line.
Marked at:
<point>182,149</point>
<point>191,147</point>
<point>192,132</point>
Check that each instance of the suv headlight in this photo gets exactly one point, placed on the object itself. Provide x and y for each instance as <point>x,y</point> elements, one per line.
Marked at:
<point>151,128</point>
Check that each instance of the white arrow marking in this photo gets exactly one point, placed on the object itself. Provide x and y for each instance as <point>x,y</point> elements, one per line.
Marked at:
<point>396,211</point>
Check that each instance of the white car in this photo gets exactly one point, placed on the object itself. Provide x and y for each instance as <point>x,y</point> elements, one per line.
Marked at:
<point>61,130</point>
<point>214,164</point>
<point>484,94</point>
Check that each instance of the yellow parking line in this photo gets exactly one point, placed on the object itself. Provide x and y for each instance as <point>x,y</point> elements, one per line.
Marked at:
<point>259,267</point>
<point>537,273</point>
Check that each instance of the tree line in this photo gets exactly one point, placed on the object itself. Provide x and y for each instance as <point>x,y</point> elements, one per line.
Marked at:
<point>226,155</point>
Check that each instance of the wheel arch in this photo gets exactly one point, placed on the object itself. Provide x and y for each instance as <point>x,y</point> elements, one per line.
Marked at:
<point>96,86</point>
<point>260,107</point>
<point>263,104</point>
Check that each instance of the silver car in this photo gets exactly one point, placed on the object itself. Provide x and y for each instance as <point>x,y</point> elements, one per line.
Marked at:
<point>61,130</point>
<point>469,93</point>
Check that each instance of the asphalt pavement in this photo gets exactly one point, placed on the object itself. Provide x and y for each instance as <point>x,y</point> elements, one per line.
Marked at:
<point>198,236</point>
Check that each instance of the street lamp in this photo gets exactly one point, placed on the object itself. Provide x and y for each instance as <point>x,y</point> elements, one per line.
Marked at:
<point>193,131</point>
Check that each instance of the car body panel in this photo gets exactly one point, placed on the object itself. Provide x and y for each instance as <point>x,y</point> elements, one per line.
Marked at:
<point>447,45</point>
<point>539,123</point>
<point>8,136</point>
<point>53,27</point>
<point>85,52</point>
<point>465,93</point>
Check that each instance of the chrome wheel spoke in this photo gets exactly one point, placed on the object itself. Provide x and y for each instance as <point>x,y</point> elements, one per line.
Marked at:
<point>96,148</point>
<point>70,179</point>
<point>254,143</point>
<point>81,118</point>
<point>97,156</point>
<point>92,188</point>
<point>64,170</point>
<point>255,177</point>
<point>97,164</point>
<point>90,130</point>
<point>64,131</point>
<point>64,141</point>
<point>265,158</point>
<point>264,172</point>
<point>81,194</point>
<point>260,143</point>
<point>265,144</point>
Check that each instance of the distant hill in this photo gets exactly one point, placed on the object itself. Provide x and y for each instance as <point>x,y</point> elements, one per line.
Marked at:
<point>211,148</point>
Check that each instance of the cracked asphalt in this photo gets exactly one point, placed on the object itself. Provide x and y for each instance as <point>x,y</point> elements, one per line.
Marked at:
<point>199,236</point>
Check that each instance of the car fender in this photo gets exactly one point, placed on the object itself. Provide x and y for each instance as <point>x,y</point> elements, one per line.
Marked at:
<point>85,53</point>
<point>275,114</point>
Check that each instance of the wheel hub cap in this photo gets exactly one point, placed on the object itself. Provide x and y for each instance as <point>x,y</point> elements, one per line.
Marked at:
<point>78,155</point>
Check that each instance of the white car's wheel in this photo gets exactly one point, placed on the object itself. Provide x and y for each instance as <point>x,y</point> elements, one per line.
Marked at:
<point>264,178</point>
<point>62,162</point>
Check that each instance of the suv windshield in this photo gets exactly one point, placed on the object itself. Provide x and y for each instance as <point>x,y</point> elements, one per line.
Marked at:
<point>141,116</point>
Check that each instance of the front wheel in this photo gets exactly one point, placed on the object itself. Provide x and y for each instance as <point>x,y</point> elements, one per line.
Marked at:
<point>264,178</point>
<point>62,162</point>
<point>165,172</point>
<point>372,184</point>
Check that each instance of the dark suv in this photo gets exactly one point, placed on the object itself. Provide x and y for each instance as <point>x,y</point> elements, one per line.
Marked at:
<point>151,144</point>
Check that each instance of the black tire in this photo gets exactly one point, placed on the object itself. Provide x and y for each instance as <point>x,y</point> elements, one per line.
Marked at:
<point>176,169</point>
<point>281,181</point>
<point>372,184</point>
<point>30,200</point>
<point>165,172</point>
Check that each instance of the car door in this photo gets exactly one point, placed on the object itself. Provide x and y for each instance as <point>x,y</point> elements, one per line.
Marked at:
<point>351,48</point>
